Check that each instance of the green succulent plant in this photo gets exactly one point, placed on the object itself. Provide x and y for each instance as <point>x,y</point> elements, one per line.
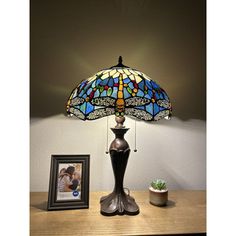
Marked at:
<point>159,184</point>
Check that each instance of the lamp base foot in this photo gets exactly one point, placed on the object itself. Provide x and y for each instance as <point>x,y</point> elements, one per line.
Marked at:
<point>118,204</point>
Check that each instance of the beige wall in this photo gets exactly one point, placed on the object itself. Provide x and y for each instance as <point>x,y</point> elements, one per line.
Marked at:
<point>173,150</point>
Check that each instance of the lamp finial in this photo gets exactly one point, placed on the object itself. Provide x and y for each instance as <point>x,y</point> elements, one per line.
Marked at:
<point>120,60</point>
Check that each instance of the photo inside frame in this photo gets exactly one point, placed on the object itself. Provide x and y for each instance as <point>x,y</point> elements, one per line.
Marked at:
<point>69,181</point>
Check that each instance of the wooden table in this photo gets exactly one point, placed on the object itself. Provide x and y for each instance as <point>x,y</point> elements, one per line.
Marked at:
<point>185,214</point>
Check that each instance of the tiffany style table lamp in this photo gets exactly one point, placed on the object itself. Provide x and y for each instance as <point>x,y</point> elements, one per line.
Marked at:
<point>119,91</point>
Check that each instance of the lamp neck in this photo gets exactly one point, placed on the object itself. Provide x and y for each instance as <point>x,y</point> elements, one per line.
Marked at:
<point>119,122</point>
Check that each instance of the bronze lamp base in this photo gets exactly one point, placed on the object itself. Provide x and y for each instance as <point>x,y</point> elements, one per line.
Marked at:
<point>118,202</point>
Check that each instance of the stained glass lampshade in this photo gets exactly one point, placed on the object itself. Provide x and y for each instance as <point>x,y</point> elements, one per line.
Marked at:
<point>120,91</point>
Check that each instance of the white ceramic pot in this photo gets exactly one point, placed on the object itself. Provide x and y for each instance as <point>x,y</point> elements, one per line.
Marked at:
<point>158,197</point>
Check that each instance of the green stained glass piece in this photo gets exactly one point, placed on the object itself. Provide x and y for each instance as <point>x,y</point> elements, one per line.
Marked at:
<point>101,89</point>
<point>82,107</point>
<point>145,92</point>
<point>129,90</point>
<point>109,91</point>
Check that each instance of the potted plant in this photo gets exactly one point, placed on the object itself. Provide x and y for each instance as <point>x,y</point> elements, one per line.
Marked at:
<point>158,193</point>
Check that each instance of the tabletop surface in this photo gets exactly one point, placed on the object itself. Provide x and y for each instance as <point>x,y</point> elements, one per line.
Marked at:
<point>184,214</point>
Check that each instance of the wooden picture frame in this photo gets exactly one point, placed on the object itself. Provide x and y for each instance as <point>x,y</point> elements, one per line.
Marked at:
<point>69,182</point>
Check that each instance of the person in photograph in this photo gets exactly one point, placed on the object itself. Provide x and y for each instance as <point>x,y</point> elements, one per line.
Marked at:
<point>75,181</point>
<point>61,173</point>
<point>65,180</point>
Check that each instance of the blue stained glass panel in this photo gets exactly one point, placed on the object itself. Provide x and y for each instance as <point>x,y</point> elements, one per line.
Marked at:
<point>82,84</point>
<point>89,91</point>
<point>104,82</point>
<point>148,84</point>
<point>126,80</point>
<point>104,93</point>
<point>147,96</point>
<point>98,81</point>
<point>140,93</point>
<point>116,80</point>
<point>141,85</point>
<point>150,93</point>
<point>114,93</point>
<point>149,108</point>
<point>97,93</point>
<point>81,93</point>
<point>154,85</point>
<point>156,109</point>
<point>126,94</point>
<point>131,85</point>
<point>84,96</point>
<point>161,96</point>
<point>157,95</point>
<point>89,108</point>
<point>110,83</point>
<point>86,87</point>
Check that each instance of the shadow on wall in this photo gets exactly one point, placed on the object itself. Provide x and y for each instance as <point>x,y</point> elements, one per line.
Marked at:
<point>72,40</point>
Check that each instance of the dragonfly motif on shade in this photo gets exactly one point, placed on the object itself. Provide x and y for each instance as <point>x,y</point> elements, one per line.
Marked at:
<point>119,90</point>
